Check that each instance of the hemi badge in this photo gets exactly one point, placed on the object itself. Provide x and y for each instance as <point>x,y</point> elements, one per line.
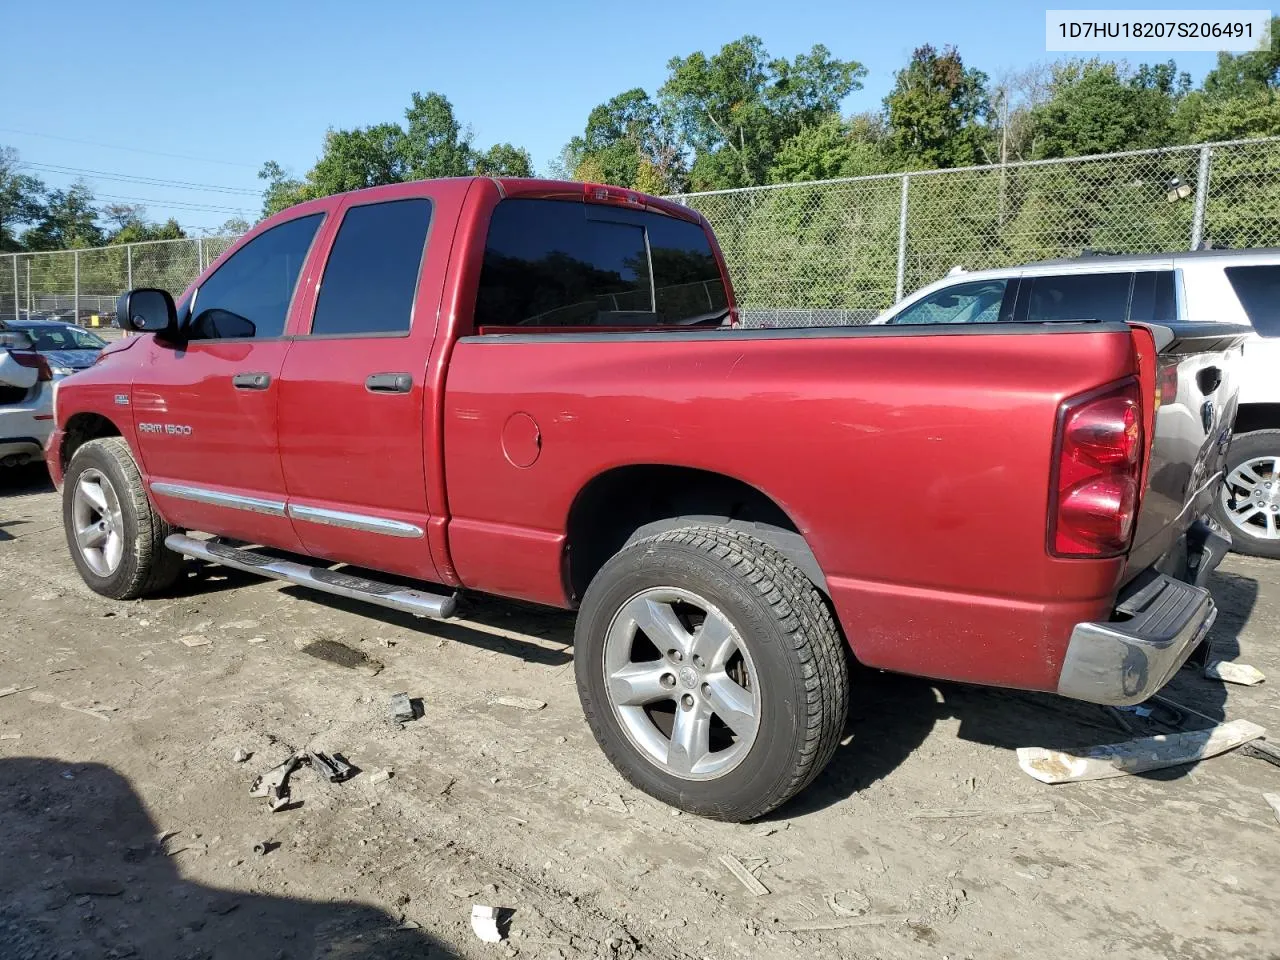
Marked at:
<point>122,399</point>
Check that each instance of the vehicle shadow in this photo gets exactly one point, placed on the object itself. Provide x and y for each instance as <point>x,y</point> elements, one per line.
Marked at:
<point>87,878</point>
<point>26,480</point>
<point>487,623</point>
<point>891,715</point>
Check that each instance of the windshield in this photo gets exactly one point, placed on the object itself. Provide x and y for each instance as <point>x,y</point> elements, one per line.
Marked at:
<point>64,338</point>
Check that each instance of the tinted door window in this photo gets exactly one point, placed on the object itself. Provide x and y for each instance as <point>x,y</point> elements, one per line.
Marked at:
<point>1153,297</point>
<point>372,274</point>
<point>565,263</point>
<point>975,302</point>
<point>1078,296</point>
<point>249,295</point>
<point>1259,291</point>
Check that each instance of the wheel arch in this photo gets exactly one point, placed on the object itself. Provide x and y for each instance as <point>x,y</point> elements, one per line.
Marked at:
<point>639,500</point>
<point>80,429</point>
<point>1252,417</point>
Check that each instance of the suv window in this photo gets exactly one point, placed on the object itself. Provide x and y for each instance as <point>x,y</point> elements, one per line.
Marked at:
<point>1153,297</point>
<point>249,295</point>
<point>372,274</point>
<point>558,263</point>
<point>1077,296</point>
<point>1259,291</point>
<point>977,301</point>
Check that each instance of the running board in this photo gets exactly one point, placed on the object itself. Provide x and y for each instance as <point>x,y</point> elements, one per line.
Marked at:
<point>317,578</point>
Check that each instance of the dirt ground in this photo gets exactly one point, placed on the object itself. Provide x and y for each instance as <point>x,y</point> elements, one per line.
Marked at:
<point>922,838</point>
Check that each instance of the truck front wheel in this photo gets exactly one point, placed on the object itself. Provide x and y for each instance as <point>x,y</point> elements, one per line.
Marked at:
<point>711,671</point>
<point>1249,499</point>
<point>115,536</point>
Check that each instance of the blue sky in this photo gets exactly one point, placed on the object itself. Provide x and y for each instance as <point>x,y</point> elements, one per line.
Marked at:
<point>226,85</point>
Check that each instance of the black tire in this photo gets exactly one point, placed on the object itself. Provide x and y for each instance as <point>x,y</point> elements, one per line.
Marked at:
<point>146,566</point>
<point>1246,447</point>
<point>797,650</point>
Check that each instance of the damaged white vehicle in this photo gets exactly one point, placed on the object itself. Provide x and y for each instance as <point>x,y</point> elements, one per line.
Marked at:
<point>26,400</point>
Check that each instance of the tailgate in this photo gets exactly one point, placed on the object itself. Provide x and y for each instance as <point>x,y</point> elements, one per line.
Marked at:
<point>1194,383</point>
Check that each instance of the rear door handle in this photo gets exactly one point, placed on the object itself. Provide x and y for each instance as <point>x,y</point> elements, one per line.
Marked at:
<point>389,383</point>
<point>251,381</point>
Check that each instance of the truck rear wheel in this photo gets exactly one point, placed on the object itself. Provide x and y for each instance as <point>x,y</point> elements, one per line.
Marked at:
<point>115,536</point>
<point>1249,501</point>
<point>711,671</point>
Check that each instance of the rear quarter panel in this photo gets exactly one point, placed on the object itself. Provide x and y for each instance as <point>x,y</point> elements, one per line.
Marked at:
<point>915,464</point>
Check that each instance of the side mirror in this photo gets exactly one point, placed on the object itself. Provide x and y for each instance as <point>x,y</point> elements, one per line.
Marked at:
<point>147,310</point>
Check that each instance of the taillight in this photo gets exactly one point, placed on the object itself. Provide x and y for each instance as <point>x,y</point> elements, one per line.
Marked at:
<point>1166,383</point>
<point>34,360</point>
<point>1098,451</point>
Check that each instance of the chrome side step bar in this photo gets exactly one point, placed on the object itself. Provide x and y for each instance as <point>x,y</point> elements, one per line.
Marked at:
<point>390,595</point>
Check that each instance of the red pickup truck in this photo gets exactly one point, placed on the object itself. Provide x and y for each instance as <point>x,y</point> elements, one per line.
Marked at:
<point>540,390</point>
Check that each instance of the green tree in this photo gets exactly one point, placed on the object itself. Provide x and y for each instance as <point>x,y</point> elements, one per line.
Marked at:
<point>504,160</point>
<point>1096,107</point>
<point>1246,74</point>
<point>628,141</point>
<point>937,110</point>
<point>21,199</point>
<point>736,108</point>
<point>432,143</point>
<point>68,220</point>
<point>834,147</point>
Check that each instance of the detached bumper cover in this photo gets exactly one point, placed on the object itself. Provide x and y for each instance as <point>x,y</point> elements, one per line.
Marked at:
<point>1125,661</point>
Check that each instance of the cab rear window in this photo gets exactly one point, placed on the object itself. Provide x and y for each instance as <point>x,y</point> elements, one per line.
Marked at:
<point>558,263</point>
<point>1258,288</point>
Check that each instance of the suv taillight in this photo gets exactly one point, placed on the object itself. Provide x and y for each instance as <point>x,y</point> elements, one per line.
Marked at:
<point>1098,468</point>
<point>34,360</point>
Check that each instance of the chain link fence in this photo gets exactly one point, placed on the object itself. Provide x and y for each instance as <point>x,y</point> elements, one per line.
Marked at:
<point>839,251</point>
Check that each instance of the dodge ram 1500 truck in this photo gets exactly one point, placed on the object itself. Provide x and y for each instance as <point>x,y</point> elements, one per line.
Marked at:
<point>540,390</point>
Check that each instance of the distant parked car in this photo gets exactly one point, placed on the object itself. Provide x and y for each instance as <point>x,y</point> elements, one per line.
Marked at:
<point>26,399</point>
<point>1212,286</point>
<point>65,346</point>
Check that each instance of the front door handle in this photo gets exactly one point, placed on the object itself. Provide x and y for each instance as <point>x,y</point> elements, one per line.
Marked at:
<point>389,383</point>
<point>251,381</point>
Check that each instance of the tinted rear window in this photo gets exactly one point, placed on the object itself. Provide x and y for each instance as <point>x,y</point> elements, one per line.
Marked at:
<point>372,273</point>
<point>551,263</point>
<point>1259,291</point>
<point>1078,296</point>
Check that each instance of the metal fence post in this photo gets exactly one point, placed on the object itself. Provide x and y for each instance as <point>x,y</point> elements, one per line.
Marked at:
<point>199,255</point>
<point>75,298</point>
<point>902,237</point>
<point>128,266</point>
<point>15,288</point>
<point>1202,197</point>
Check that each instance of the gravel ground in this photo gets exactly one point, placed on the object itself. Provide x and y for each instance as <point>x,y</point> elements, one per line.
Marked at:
<point>922,839</point>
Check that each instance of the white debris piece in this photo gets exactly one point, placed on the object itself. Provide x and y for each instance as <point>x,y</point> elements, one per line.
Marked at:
<point>1273,801</point>
<point>194,641</point>
<point>745,877</point>
<point>1135,756</point>
<point>521,703</point>
<point>1232,672</point>
<point>240,756</point>
<point>382,776</point>
<point>484,921</point>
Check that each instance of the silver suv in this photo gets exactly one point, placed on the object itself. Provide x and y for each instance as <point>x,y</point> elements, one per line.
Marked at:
<point>1226,286</point>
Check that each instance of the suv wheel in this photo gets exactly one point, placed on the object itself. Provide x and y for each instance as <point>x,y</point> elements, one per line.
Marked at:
<point>1249,501</point>
<point>115,536</point>
<point>711,671</point>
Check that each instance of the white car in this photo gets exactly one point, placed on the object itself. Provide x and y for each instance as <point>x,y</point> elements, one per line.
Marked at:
<point>26,401</point>
<point>1221,286</point>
